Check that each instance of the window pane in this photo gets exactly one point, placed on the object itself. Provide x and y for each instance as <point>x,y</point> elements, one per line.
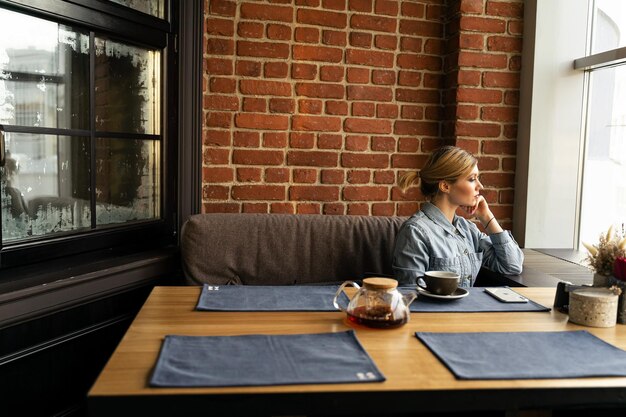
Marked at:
<point>128,88</point>
<point>44,185</point>
<point>44,73</point>
<point>153,7</point>
<point>604,184</point>
<point>609,28</point>
<point>127,180</point>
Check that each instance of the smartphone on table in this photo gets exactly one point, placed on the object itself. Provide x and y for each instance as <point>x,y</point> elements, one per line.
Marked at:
<point>506,295</point>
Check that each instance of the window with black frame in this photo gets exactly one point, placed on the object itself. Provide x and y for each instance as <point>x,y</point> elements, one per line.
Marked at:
<point>82,142</point>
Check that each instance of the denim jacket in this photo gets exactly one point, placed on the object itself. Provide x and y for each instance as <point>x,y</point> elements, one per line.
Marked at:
<point>428,242</point>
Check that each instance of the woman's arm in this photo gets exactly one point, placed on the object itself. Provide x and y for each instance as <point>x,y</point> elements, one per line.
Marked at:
<point>410,255</point>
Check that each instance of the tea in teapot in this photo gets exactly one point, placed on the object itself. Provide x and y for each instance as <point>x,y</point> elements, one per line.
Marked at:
<point>377,304</point>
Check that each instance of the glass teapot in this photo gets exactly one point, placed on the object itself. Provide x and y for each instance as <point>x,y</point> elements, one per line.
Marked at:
<point>377,304</point>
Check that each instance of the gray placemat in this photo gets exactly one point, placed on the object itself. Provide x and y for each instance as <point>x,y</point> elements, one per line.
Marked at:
<point>526,355</point>
<point>478,301</point>
<point>269,298</point>
<point>250,360</point>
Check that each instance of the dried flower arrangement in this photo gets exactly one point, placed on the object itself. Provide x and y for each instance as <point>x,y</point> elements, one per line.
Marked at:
<point>611,246</point>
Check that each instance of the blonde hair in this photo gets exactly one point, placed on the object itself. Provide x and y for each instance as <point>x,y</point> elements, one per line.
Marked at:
<point>447,163</point>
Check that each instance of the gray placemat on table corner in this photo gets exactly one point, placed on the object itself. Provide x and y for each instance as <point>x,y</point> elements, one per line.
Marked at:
<point>526,355</point>
<point>269,298</point>
<point>252,360</point>
<point>477,301</point>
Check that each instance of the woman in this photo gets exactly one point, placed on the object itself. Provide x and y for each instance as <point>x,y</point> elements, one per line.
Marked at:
<point>436,239</point>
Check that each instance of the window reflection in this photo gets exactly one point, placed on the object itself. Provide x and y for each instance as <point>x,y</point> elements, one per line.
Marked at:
<point>152,7</point>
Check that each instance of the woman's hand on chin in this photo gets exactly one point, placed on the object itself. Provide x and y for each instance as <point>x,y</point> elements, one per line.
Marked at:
<point>480,209</point>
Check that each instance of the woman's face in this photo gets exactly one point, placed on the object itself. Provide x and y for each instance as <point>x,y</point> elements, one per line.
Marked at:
<point>465,190</point>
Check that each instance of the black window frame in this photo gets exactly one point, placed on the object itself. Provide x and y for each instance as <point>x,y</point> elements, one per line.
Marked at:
<point>118,23</point>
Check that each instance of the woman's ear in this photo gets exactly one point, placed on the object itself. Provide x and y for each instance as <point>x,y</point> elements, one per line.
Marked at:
<point>444,187</point>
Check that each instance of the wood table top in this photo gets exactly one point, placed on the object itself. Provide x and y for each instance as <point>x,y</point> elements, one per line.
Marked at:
<point>409,367</point>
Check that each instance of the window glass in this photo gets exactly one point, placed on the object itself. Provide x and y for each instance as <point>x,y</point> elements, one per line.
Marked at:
<point>44,185</point>
<point>44,73</point>
<point>604,185</point>
<point>127,88</point>
<point>609,27</point>
<point>127,180</point>
<point>152,7</point>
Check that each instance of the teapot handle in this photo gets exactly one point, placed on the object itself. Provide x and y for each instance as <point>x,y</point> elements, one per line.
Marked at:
<point>340,290</point>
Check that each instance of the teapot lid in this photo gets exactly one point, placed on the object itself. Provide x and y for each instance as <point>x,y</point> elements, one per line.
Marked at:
<point>378,283</point>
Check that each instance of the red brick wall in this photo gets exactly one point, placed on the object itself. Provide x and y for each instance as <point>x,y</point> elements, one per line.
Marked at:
<point>316,106</point>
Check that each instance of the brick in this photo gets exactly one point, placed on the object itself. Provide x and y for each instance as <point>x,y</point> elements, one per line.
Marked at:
<point>407,209</point>
<point>411,194</point>
<point>515,63</point>
<point>281,208</point>
<point>472,41</point>
<point>504,44</point>
<point>360,160</point>
<point>408,144</point>
<point>307,35</point>
<point>387,111</point>
<point>421,28</point>
<point>386,42</point>
<point>308,208</point>
<point>261,121</point>
<point>301,140</point>
<point>501,80</point>
<point>275,69</point>
<point>258,192</point>
<point>358,209</point>
<point>219,66</point>
<point>358,75</point>
<point>304,176</point>
<point>263,49</point>
<point>312,158</point>
<point>499,147</point>
<point>434,11</point>
<point>250,29</point>
<point>470,145</point>
<point>515,27</point>
<point>357,143</point>
<point>313,193</point>
<point>322,18</point>
<point>277,175</point>
<point>409,78</point>
<point>336,209</point>
<point>316,123</point>
<point>253,11</point>
<point>410,44</point>
<point>408,161</point>
<point>219,119</point>
<point>360,5</point>
<point>506,197</point>
<point>317,53</point>
<point>505,9</point>
<point>375,23</point>
<point>246,139</point>
<point>213,156</point>
<point>329,141</point>
<point>471,78</point>
<point>509,164</point>
<point>303,71</point>
<point>282,105</point>
<point>383,77</point>
<point>254,208</point>
<point>331,73</point>
<point>278,32</point>
<point>333,37</point>
<point>361,92</point>
<point>499,114</point>
<point>220,208</point>
<point>369,58</point>
<point>511,98</point>
<point>249,174</point>
<point>310,106</point>
<point>487,163</point>
<point>383,209</point>
<point>259,87</point>
<point>217,137</point>
<point>383,143</point>
<point>222,85</point>
<point>472,6</point>
<point>375,193</point>
<point>274,139</point>
<point>384,177</point>
<point>320,90</point>
<point>412,112</point>
<point>257,157</point>
<point>251,104</point>
<point>404,127</point>
<point>490,179</point>
<point>332,176</point>
<point>358,177</point>
<point>308,3</point>
<point>215,192</point>
<point>215,46</point>
<point>220,27</point>
<point>337,108</point>
<point>248,68</point>
<point>419,62</point>
<point>219,102</point>
<point>467,112</point>
<point>477,95</point>
<point>483,130</point>
<point>222,7</point>
<point>386,7</point>
<point>217,174</point>
<point>433,81</point>
<point>412,9</point>
<point>360,39</point>
<point>367,126</point>
<point>334,4</point>
<point>482,24</point>
<point>417,96</point>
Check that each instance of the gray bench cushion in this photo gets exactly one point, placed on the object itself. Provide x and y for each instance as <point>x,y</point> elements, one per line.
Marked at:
<point>283,249</point>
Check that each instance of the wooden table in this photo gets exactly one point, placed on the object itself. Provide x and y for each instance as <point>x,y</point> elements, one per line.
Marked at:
<point>416,380</point>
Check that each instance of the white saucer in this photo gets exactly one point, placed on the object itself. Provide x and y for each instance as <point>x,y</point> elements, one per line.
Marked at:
<point>458,293</point>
